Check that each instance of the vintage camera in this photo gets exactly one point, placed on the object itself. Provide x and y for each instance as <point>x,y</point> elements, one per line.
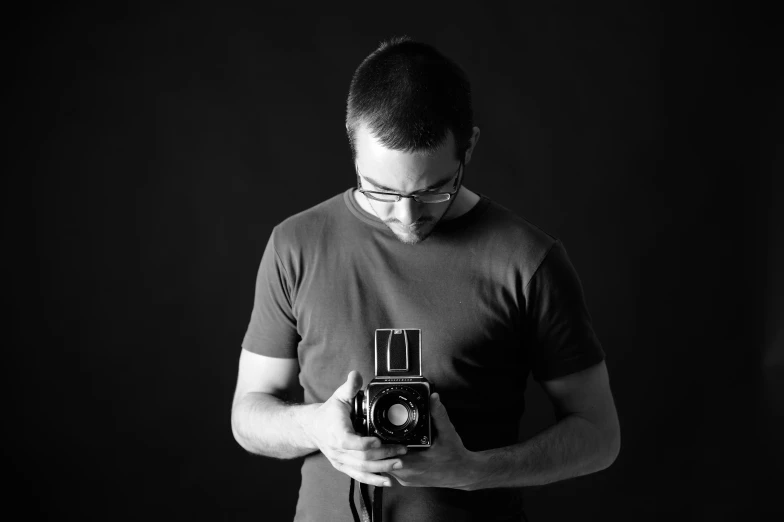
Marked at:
<point>395,405</point>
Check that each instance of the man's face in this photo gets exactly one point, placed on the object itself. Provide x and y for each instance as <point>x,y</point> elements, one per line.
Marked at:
<point>384,170</point>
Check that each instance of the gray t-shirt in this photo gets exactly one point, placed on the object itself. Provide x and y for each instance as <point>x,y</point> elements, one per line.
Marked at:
<point>494,296</point>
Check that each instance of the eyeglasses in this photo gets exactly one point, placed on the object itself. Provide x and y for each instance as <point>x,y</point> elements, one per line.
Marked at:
<point>427,197</point>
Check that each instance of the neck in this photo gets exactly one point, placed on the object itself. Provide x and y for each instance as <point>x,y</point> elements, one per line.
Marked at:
<point>464,202</point>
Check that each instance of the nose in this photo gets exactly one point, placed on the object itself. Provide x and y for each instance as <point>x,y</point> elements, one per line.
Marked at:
<point>407,211</point>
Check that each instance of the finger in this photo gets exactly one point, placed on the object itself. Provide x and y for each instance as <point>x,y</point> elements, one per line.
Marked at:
<point>370,466</point>
<point>364,477</point>
<point>347,390</point>
<point>350,441</point>
<point>385,452</point>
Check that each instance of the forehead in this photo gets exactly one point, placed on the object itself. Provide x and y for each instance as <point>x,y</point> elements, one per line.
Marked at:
<point>404,171</point>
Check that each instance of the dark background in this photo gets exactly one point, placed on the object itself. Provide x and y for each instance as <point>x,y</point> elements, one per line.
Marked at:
<point>153,149</point>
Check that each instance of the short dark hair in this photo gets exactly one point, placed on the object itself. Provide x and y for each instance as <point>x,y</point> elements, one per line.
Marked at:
<point>410,95</point>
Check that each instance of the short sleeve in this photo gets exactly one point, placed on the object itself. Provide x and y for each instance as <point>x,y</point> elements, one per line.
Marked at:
<point>560,332</point>
<point>273,328</point>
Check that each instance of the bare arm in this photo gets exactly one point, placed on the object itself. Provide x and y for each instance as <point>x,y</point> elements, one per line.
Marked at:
<point>261,420</point>
<point>585,439</point>
<point>265,424</point>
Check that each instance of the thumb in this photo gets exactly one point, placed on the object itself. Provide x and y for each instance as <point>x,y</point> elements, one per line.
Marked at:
<point>437,409</point>
<point>347,390</point>
<point>444,429</point>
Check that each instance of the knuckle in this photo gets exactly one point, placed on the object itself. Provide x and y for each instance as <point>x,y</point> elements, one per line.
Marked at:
<point>367,455</point>
<point>369,479</point>
<point>332,451</point>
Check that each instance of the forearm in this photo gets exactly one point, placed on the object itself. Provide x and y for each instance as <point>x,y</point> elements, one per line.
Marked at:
<point>266,425</point>
<point>570,448</point>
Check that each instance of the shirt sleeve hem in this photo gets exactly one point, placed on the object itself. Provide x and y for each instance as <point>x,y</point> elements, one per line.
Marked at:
<point>568,367</point>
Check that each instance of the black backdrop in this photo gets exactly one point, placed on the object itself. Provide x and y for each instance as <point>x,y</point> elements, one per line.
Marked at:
<point>154,149</point>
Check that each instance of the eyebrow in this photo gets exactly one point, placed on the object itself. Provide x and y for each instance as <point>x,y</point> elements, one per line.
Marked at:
<point>437,184</point>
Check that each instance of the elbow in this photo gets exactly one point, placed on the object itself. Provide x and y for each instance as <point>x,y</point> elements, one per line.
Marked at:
<point>612,448</point>
<point>236,430</point>
<point>246,425</point>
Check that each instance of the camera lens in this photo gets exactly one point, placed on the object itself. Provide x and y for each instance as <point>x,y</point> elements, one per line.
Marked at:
<point>395,412</point>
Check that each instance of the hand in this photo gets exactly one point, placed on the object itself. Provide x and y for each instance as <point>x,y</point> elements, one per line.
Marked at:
<point>330,429</point>
<point>446,464</point>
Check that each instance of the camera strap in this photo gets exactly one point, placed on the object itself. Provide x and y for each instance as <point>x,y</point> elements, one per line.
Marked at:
<point>373,514</point>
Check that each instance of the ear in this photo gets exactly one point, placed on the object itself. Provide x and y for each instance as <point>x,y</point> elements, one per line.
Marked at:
<point>474,140</point>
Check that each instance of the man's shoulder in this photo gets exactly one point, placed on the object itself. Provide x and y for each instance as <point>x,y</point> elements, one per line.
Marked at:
<point>516,231</point>
<point>517,220</point>
<point>312,221</point>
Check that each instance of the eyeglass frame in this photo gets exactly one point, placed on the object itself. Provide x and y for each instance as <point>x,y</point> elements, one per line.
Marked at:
<point>457,185</point>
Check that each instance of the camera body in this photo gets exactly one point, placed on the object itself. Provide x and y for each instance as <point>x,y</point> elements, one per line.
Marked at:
<point>395,406</point>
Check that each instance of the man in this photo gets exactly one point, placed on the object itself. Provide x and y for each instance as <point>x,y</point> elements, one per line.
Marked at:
<point>411,247</point>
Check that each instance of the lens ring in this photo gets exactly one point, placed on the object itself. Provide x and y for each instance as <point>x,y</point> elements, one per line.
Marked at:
<point>387,398</point>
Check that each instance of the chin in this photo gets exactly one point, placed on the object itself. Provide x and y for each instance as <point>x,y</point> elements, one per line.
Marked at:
<point>412,238</point>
